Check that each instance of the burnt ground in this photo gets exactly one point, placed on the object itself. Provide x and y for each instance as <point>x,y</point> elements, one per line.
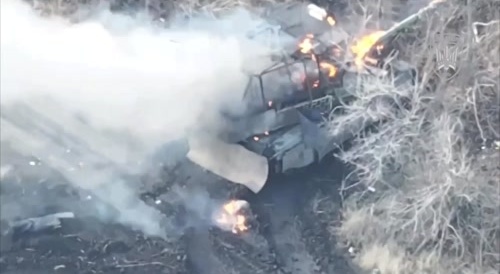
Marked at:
<point>290,233</point>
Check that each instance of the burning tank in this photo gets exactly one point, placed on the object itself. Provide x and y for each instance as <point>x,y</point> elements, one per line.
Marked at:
<point>291,104</point>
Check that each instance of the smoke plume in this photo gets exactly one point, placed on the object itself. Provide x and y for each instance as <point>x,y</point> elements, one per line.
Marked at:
<point>93,99</point>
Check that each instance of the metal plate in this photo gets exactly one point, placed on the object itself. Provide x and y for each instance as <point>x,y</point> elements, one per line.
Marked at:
<point>230,161</point>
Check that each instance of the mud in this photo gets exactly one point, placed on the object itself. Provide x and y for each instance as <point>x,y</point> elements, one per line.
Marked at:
<point>290,232</point>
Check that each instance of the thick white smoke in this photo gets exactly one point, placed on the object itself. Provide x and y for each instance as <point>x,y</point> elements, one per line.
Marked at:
<point>113,89</point>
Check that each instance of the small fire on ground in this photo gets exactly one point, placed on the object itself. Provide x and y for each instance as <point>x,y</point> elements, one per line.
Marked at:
<point>230,217</point>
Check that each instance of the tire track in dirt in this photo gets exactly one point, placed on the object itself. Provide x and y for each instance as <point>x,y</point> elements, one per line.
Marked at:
<point>278,206</point>
<point>201,259</point>
<point>288,207</point>
<point>322,212</point>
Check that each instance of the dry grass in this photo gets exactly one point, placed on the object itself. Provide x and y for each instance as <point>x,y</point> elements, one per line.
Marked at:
<point>435,166</point>
<point>157,9</point>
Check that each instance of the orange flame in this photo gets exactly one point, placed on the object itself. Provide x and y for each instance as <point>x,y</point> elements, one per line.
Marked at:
<point>231,219</point>
<point>332,70</point>
<point>330,21</point>
<point>363,46</point>
<point>306,45</point>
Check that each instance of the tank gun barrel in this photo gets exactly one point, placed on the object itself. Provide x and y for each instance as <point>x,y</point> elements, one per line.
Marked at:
<point>398,27</point>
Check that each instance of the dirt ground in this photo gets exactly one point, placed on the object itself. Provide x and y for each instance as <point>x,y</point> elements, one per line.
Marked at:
<point>289,232</point>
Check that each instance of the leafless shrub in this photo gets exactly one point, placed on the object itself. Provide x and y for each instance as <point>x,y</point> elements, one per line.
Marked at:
<point>434,165</point>
<point>157,9</point>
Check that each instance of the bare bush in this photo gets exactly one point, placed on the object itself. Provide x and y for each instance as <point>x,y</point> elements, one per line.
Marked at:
<point>157,9</point>
<point>434,164</point>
